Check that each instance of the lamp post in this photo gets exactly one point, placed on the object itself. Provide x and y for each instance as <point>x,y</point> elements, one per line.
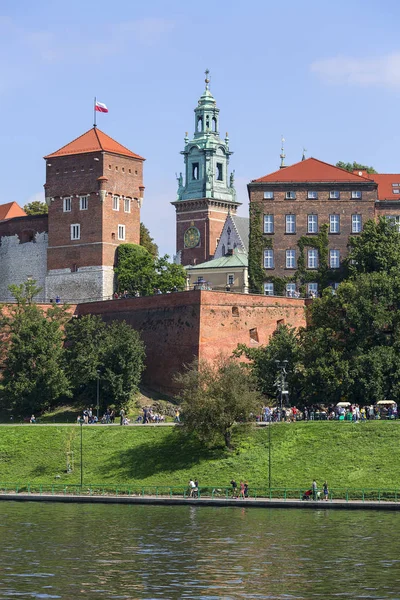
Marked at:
<point>81,422</point>
<point>281,383</point>
<point>269,450</point>
<point>98,395</point>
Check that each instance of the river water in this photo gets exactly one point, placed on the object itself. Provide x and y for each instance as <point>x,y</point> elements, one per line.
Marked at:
<point>123,552</point>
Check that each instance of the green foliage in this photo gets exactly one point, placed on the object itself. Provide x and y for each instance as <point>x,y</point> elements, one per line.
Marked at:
<point>323,275</point>
<point>257,243</point>
<point>114,352</point>
<point>139,273</point>
<point>215,397</point>
<point>354,166</point>
<point>284,344</point>
<point>36,208</point>
<point>147,241</point>
<point>376,249</point>
<point>32,351</point>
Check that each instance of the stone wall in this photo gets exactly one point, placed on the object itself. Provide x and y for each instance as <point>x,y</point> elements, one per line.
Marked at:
<point>176,328</point>
<point>84,285</point>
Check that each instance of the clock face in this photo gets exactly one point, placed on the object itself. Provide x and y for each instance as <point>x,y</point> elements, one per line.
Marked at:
<point>191,237</point>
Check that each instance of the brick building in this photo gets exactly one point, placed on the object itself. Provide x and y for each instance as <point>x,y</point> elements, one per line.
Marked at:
<point>292,204</point>
<point>94,190</point>
<point>206,193</point>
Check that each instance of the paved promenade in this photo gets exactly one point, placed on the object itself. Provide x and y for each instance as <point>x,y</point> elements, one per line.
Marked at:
<point>217,502</point>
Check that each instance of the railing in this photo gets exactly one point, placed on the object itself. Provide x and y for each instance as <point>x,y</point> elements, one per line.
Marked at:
<point>207,492</point>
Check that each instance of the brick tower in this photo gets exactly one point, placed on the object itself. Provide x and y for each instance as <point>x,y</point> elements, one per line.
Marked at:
<point>94,190</point>
<point>207,193</point>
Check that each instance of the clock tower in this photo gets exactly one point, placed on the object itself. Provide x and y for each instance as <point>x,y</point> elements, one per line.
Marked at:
<point>206,192</point>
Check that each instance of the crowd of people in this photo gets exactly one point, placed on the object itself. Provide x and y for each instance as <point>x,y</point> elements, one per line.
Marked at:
<point>344,411</point>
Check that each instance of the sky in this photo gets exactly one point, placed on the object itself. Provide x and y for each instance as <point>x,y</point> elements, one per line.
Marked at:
<point>325,75</point>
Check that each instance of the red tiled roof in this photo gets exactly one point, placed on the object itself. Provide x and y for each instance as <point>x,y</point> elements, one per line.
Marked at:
<point>11,210</point>
<point>313,170</point>
<point>385,187</point>
<point>93,140</point>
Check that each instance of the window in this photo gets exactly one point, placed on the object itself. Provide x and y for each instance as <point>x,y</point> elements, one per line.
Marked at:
<point>290,224</point>
<point>268,259</point>
<point>230,279</point>
<point>220,173</point>
<point>75,232</point>
<point>290,259</point>
<point>67,204</point>
<point>268,223</point>
<point>83,202</point>
<point>268,195</point>
<point>312,289</point>
<point>290,195</point>
<point>121,232</point>
<point>356,224</point>
<point>195,170</point>
<point>334,194</point>
<point>312,259</point>
<point>395,220</point>
<point>269,289</point>
<point>127,205</point>
<point>291,290</point>
<point>356,194</point>
<point>334,223</point>
<point>334,259</point>
<point>115,202</point>
<point>396,191</point>
<point>312,223</point>
<point>312,195</point>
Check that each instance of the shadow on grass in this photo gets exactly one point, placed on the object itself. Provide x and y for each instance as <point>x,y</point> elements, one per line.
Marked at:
<point>176,451</point>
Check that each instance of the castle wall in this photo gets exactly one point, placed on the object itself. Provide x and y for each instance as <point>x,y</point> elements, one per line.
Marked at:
<point>176,328</point>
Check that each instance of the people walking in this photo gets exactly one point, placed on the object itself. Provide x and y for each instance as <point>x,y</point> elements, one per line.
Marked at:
<point>326,491</point>
<point>234,488</point>
<point>314,488</point>
<point>121,415</point>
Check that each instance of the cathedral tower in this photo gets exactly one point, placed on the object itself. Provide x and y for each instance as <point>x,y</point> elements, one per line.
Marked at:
<point>94,190</point>
<point>206,193</point>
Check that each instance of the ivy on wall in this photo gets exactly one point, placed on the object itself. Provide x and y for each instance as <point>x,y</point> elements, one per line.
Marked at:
<point>257,244</point>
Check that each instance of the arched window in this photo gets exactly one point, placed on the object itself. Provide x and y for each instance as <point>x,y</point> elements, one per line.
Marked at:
<point>207,122</point>
<point>200,124</point>
<point>223,249</point>
<point>219,172</point>
<point>214,124</point>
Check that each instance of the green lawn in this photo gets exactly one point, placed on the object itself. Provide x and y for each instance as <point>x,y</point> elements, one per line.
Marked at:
<point>346,454</point>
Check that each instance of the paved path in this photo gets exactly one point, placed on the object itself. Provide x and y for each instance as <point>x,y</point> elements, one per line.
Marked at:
<point>225,502</point>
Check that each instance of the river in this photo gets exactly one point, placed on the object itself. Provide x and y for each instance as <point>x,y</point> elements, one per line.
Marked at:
<point>133,552</point>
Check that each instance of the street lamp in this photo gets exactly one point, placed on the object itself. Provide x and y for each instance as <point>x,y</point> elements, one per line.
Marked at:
<point>81,422</point>
<point>98,395</point>
<point>269,450</point>
<point>281,382</point>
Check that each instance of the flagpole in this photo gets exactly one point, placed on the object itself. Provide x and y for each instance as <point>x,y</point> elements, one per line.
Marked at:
<point>94,112</point>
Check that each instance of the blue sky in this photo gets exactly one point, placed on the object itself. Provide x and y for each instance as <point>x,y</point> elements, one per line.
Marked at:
<point>326,75</point>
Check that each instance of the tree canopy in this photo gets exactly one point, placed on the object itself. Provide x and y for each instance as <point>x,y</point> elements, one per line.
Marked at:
<point>147,241</point>
<point>36,208</point>
<point>376,249</point>
<point>354,166</point>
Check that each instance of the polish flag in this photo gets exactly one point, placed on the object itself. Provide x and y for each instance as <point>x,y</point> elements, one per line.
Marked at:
<point>100,107</point>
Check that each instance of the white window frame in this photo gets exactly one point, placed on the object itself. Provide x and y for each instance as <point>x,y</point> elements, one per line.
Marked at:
<point>356,194</point>
<point>356,223</point>
<point>334,223</point>
<point>83,202</point>
<point>290,224</point>
<point>290,259</point>
<point>115,202</point>
<point>312,258</point>
<point>290,289</point>
<point>312,219</point>
<point>269,262</point>
<point>290,195</point>
<point>269,195</point>
<point>127,205</point>
<point>67,204</point>
<point>230,279</point>
<point>334,194</point>
<point>312,287</point>
<point>395,220</point>
<point>312,195</point>
<point>121,232</point>
<point>334,259</point>
<point>268,288</point>
<point>269,224</point>
<point>75,231</point>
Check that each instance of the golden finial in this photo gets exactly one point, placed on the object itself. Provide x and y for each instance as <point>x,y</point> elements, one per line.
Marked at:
<point>207,79</point>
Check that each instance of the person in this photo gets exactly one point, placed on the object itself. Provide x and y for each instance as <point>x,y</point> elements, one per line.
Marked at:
<point>122,415</point>
<point>246,490</point>
<point>234,488</point>
<point>314,488</point>
<point>177,416</point>
<point>196,488</point>
<point>192,487</point>
<point>326,490</point>
<point>242,490</point>
<point>58,300</point>
<point>32,419</point>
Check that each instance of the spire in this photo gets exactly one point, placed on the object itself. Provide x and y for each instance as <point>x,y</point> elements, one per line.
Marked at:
<point>207,79</point>
<point>304,154</point>
<point>282,154</point>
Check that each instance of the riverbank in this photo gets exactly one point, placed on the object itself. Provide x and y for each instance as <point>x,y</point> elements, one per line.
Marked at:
<point>363,455</point>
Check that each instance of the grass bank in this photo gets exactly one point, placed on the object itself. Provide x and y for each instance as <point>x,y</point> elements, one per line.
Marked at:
<point>346,454</point>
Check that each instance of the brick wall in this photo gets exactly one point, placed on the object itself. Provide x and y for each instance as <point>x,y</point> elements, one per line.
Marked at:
<point>177,328</point>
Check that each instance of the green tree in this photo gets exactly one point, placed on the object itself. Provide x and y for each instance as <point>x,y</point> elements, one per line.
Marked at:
<point>283,345</point>
<point>170,276</point>
<point>376,249</point>
<point>147,241</point>
<point>114,352</point>
<point>355,166</point>
<point>215,397</point>
<point>33,353</point>
<point>36,208</point>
